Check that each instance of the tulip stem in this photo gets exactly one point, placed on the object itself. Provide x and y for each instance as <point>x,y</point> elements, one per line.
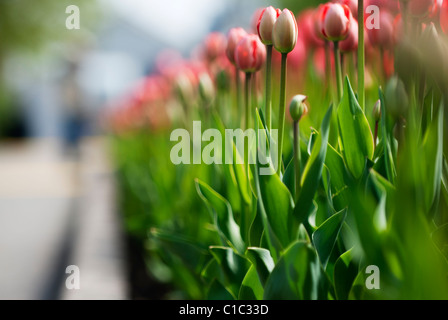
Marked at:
<point>337,61</point>
<point>268,88</point>
<point>281,118</point>
<point>361,56</point>
<point>238,91</point>
<point>297,157</point>
<point>247,100</point>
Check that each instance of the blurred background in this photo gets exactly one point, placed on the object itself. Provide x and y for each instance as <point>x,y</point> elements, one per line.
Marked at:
<point>57,199</point>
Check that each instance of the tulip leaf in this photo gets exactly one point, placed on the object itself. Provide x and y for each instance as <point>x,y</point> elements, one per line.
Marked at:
<point>278,204</point>
<point>388,155</point>
<point>313,171</point>
<point>324,238</point>
<point>297,275</point>
<point>222,215</point>
<point>232,266</point>
<point>355,134</point>
<point>251,288</point>
<point>262,261</point>
<point>345,272</point>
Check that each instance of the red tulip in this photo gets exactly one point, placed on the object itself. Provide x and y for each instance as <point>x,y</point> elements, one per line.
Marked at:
<point>233,38</point>
<point>285,31</point>
<point>351,42</point>
<point>265,24</point>
<point>384,36</point>
<point>422,8</point>
<point>250,53</point>
<point>297,56</point>
<point>444,16</point>
<point>334,20</point>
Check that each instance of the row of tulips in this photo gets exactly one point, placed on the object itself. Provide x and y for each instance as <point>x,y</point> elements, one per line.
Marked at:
<point>362,174</point>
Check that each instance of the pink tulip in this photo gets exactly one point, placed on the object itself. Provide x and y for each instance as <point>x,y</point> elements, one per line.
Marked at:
<point>266,23</point>
<point>334,20</point>
<point>350,43</point>
<point>285,31</point>
<point>250,53</point>
<point>233,37</point>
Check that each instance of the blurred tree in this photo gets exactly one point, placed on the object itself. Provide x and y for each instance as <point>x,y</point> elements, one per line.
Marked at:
<point>28,26</point>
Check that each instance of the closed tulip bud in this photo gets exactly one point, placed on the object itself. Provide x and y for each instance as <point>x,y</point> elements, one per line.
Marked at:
<point>285,31</point>
<point>250,54</point>
<point>350,43</point>
<point>396,98</point>
<point>297,107</point>
<point>233,37</point>
<point>377,111</point>
<point>334,20</point>
<point>266,23</point>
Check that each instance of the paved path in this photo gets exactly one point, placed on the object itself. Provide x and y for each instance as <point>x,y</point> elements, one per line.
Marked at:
<point>56,211</point>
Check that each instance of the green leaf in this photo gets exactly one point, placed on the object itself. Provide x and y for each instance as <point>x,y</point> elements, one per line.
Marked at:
<point>324,238</point>
<point>222,214</point>
<point>388,155</point>
<point>313,172</point>
<point>335,164</point>
<point>278,204</point>
<point>345,272</point>
<point>233,268</point>
<point>433,151</point>
<point>251,288</point>
<point>262,261</point>
<point>297,275</point>
<point>355,134</point>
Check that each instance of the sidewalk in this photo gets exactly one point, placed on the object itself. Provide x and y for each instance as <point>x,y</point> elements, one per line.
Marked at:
<point>55,212</point>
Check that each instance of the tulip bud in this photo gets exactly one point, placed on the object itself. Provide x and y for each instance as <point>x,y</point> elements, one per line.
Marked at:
<point>377,111</point>
<point>266,23</point>
<point>351,42</point>
<point>233,37</point>
<point>396,98</point>
<point>250,54</point>
<point>335,19</point>
<point>297,107</point>
<point>285,31</point>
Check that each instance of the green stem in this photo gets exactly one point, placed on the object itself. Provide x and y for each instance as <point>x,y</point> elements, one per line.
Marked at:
<point>268,89</point>
<point>281,116</point>
<point>247,100</point>
<point>337,61</point>
<point>361,56</point>
<point>297,157</point>
<point>238,92</point>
